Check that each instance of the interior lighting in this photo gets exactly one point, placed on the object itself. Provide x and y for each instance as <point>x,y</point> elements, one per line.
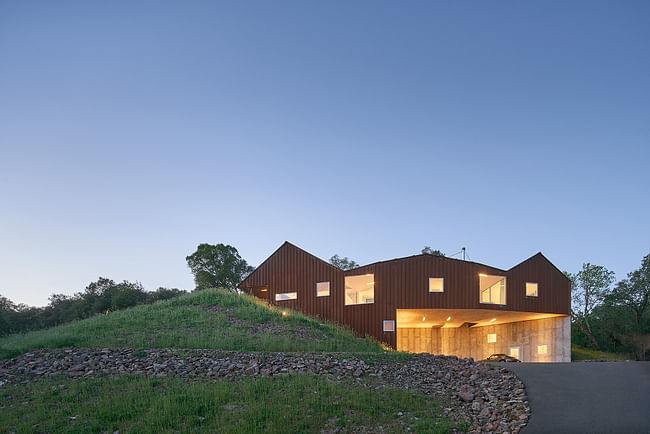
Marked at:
<point>482,275</point>
<point>424,318</point>
<point>493,319</point>
<point>448,318</point>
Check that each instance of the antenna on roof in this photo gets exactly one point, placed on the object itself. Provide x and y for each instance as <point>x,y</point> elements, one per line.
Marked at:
<point>463,250</point>
<point>464,256</point>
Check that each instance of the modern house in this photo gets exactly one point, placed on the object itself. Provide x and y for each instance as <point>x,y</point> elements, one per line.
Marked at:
<point>432,304</point>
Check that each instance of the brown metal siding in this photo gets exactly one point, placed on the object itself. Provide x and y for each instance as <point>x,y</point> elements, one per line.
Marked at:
<point>402,284</point>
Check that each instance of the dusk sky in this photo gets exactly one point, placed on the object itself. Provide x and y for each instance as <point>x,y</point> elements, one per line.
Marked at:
<point>130,132</point>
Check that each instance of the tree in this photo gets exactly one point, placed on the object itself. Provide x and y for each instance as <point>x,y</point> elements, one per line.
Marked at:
<point>217,266</point>
<point>429,251</point>
<point>589,288</point>
<point>634,294</point>
<point>343,263</point>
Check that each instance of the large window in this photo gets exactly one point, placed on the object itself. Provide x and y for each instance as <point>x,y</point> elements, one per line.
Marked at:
<point>360,289</point>
<point>436,284</point>
<point>531,289</point>
<point>286,296</point>
<point>322,289</point>
<point>492,289</point>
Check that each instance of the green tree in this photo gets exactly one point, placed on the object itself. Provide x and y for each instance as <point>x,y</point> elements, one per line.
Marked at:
<point>217,266</point>
<point>589,288</point>
<point>429,251</point>
<point>343,263</point>
<point>634,294</point>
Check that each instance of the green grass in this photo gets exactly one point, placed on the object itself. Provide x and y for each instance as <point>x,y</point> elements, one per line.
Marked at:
<point>183,323</point>
<point>580,353</point>
<point>300,403</point>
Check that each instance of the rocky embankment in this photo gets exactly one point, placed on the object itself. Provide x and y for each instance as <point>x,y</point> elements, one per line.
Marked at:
<point>489,398</point>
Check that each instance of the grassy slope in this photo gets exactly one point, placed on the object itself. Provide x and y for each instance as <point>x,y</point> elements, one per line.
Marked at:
<point>300,403</point>
<point>579,353</point>
<point>183,322</point>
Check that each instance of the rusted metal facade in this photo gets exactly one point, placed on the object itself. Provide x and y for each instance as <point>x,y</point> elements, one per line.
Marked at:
<point>402,284</point>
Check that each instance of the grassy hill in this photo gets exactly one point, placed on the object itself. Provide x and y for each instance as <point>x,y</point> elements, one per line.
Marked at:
<point>210,319</point>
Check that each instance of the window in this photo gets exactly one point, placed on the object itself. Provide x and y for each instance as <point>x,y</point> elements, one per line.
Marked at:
<point>492,289</point>
<point>389,325</point>
<point>492,338</point>
<point>436,284</point>
<point>322,289</point>
<point>360,289</point>
<point>514,352</point>
<point>542,349</point>
<point>531,289</point>
<point>286,296</point>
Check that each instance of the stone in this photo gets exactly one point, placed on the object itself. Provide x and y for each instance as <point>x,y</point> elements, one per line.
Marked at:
<point>466,396</point>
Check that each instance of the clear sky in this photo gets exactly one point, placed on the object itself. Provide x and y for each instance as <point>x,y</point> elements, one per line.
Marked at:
<point>130,132</point>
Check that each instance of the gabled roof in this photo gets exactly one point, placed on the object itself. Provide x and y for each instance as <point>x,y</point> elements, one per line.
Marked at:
<point>445,258</point>
<point>286,244</point>
<point>545,259</point>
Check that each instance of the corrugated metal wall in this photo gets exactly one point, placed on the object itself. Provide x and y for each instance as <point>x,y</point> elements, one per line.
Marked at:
<point>402,284</point>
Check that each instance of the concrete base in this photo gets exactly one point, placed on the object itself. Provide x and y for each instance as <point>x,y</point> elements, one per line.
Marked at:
<point>466,341</point>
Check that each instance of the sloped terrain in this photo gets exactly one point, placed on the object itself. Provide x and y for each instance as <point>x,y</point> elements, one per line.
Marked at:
<point>210,319</point>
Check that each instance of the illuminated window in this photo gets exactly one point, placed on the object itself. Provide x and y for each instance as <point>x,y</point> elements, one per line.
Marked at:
<point>492,338</point>
<point>286,296</point>
<point>531,289</point>
<point>492,289</point>
<point>389,325</point>
<point>360,289</point>
<point>322,289</point>
<point>542,349</point>
<point>436,284</point>
<point>514,352</point>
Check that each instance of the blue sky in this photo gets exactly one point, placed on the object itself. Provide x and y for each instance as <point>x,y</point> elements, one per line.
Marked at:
<point>130,132</point>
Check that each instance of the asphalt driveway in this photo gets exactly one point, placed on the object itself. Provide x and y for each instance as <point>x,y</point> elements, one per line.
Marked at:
<point>586,397</point>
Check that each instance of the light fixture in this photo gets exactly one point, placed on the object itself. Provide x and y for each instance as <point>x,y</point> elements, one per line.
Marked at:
<point>264,290</point>
<point>448,318</point>
<point>493,319</point>
<point>284,313</point>
<point>482,275</point>
<point>370,283</point>
<point>424,318</point>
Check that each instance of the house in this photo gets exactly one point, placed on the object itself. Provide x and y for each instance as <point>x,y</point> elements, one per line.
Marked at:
<point>426,303</point>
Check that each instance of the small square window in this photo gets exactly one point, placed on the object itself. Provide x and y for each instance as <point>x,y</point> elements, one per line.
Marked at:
<point>492,338</point>
<point>389,325</point>
<point>531,289</point>
<point>542,349</point>
<point>514,352</point>
<point>322,289</point>
<point>436,284</point>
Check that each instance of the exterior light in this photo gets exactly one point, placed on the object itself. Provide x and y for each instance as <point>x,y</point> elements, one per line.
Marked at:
<point>264,290</point>
<point>285,313</point>
<point>482,275</point>
<point>493,319</point>
<point>448,318</point>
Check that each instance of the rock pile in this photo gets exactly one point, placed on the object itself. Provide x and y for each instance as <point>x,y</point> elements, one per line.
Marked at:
<point>489,398</point>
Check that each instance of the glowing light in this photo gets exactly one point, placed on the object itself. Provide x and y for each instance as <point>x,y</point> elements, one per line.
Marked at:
<point>424,318</point>
<point>264,289</point>
<point>448,318</point>
<point>370,283</point>
<point>482,275</point>
<point>285,313</point>
<point>493,319</point>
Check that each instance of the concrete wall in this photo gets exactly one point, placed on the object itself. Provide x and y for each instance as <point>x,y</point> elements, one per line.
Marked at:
<point>555,333</point>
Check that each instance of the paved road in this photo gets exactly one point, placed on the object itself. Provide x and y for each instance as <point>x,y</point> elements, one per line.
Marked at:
<point>583,397</point>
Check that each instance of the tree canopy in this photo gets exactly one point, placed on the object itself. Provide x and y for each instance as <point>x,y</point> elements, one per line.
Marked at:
<point>217,266</point>
<point>429,251</point>
<point>343,263</point>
